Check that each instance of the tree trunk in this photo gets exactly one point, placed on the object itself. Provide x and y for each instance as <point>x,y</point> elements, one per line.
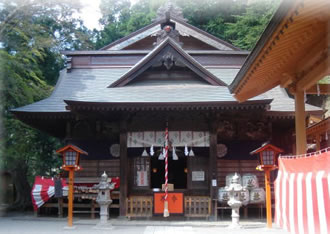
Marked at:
<point>22,188</point>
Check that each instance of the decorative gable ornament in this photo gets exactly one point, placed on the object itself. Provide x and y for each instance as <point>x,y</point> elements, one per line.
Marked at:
<point>168,60</point>
<point>169,51</point>
<point>168,30</point>
<point>171,9</point>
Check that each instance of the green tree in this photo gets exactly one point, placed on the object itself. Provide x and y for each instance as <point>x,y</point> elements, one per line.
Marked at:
<point>230,20</point>
<point>245,32</point>
<point>119,19</point>
<point>32,33</point>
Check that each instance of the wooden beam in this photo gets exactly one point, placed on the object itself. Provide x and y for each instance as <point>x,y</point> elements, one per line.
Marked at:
<point>123,168</point>
<point>318,142</point>
<point>286,80</point>
<point>318,72</point>
<point>213,163</point>
<point>324,89</point>
<point>300,123</point>
<point>319,128</point>
<point>312,55</point>
<point>317,61</point>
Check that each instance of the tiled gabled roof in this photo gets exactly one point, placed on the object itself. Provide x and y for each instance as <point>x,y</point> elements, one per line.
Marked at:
<point>167,46</point>
<point>183,28</point>
<point>90,86</point>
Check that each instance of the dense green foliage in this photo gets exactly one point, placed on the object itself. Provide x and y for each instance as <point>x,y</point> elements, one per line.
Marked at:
<point>32,34</point>
<point>230,20</point>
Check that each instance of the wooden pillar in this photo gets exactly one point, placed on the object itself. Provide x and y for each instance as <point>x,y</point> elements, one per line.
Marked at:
<point>268,198</point>
<point>300,122</point>
<point>93,209</point>
<point>60,207</point>
<point>70,197</point>
<point>213,166</point>
<point>123,169</point>
<point>68,132</point>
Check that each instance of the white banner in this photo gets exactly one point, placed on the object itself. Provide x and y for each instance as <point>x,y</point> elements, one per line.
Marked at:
<point>142,178</point>
<point>177,139</point>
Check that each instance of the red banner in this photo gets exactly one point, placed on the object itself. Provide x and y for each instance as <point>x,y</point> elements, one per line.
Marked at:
<point>302,194</point>
<point>175,203</point>
<point>42,190</point>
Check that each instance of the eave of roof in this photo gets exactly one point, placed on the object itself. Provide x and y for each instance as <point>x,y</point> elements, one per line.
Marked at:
<point>319,128</point>
<point>129,106</point>
<point>135,70</point>
<point>292,52</point>
<point>206,34</point>
<point>131,35</point>
<point>131,52</point>
<point>276,20</point>
<point>182,22</point>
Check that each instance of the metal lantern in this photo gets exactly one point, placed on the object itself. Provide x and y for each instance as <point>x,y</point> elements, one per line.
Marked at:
<point>268,155</point>
<point>71,157</point>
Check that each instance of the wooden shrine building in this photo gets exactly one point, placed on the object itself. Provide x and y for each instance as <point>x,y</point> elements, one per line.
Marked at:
<point>114,103</point>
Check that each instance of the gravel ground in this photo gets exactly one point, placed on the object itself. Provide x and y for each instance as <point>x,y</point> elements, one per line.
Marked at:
<point>36,225</point>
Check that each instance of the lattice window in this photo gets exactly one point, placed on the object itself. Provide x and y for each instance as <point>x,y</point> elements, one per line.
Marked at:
<point>268,157</point>
<point>70,158</point>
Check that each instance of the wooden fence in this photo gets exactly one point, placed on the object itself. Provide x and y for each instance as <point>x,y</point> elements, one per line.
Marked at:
<point>197,206</point>
<point>139,206</point>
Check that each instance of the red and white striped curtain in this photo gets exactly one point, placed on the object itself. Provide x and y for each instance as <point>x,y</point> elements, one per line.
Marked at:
<point>302,194</point>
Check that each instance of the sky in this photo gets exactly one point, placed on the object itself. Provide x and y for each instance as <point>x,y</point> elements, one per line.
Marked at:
<point>91,13</point>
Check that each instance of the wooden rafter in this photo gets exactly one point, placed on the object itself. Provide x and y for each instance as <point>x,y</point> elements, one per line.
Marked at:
<point>319,128</point>
<point>320,70</point>
<point>291,51</point>
<point>324,89</point>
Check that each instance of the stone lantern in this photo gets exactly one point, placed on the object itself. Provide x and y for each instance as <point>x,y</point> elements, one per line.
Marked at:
<point>235,190</point>
<point>104,200</point>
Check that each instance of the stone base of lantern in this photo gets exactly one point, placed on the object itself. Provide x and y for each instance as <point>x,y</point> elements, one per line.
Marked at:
<point>104,215</point>
<point>235,205</point>
<point>235,219</point>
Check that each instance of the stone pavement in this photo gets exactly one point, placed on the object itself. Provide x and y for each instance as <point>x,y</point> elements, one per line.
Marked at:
<point>36,225</point>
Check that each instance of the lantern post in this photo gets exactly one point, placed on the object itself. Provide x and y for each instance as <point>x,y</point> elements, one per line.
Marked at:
<point>71,158</point>
<point>268,155</point>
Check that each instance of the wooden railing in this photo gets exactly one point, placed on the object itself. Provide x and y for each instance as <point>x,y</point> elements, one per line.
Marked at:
<point>95,168</point>
<point>139,206</point>
<point>81,207</point>
<point>197,206</point>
